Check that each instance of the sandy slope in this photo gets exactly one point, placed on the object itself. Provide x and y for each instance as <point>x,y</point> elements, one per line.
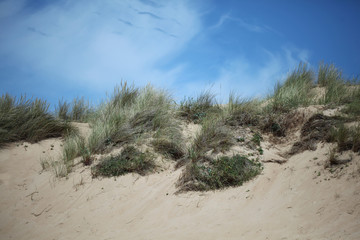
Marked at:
<point>288,201</point>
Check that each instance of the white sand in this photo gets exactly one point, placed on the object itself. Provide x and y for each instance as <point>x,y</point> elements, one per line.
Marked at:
<point>287,201</point>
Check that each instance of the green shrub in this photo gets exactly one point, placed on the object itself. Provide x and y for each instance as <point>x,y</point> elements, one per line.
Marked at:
<point>219,173</point>
<point>129,160</point>
<point>28,120</point>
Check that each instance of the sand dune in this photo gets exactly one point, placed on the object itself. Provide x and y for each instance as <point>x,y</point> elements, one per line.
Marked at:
<point>298,199</point>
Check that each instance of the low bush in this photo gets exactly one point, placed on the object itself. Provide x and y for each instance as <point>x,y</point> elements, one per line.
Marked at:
<point>129,160</point>
<point>219,173</point>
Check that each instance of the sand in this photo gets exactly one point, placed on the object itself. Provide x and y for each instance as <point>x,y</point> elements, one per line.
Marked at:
<point>297,199</point>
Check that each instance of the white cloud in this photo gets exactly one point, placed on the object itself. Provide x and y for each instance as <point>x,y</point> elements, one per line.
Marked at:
<point>241,22</point>
<point>96,43</point>
<point>251,79</point>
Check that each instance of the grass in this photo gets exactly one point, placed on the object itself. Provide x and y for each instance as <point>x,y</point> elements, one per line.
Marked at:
<point>214,135</point>
<point>196,110</point>
<point>129,160</point>
<point>28,120</point>
<point>346,138</point>
<point>130,115</point>
<point>337,88</point>
<point>242,112</point>
<point>219,173</point>
<point>295,91</point>
<point>78,110</point>
<point>170,142</point>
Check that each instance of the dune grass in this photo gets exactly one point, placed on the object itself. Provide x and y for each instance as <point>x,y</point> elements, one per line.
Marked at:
<point>78,110</point>
<point>130,115</point>
<point>242,112</point>
<point>347,138</point>
<point>28,120</point>
<point>295,91</point>
<point>196,110</point>
<point>214,135</point>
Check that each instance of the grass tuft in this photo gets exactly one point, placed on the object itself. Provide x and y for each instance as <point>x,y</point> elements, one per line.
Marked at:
<point>214,135</point>
<point>28,120</point>
<point>295,91</point>
<point>196,110</point>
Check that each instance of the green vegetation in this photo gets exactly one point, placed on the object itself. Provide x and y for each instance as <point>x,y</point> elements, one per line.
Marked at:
<point>219,173</point>
<point>78,110</point>
<point>346,138</point>
<point>130,115</point>
<point>241,112</point>
<point>214,135</point>
<point>28,120</point>
<point>129,160</point>
<point>198,109</point>
<point>295,91</point>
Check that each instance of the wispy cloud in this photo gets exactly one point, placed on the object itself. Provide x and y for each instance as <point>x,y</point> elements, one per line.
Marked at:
<point>252,79</point>
<point>84,49</point>
<point>126,22</point>
<point>151,15</point>
<point>34,30</point>
<point>164,32</point>
<point>151,3</point>
<point>241,22</point>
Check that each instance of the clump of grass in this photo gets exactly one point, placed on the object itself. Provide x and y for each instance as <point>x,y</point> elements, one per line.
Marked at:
<point>214,135</point>
<point>219,173</point>
<point>130,114</point>
<point>74,146</point>
<point>196,110</point>
<point>240,112</point>
<point>346,138</point>
<point>29,120</point>
<point>331,78</point>
<point>353,107</point>
<point>78,110</point>
<point>295,91</point>
<point>58,167</point>
<point>129,160</point>
<point>169,142</point>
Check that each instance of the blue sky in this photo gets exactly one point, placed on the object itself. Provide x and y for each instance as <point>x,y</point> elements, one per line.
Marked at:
<point>56,49</point>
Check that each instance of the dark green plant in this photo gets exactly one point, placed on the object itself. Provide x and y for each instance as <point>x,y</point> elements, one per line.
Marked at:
<point>219,173</point>
<point>129,160</point>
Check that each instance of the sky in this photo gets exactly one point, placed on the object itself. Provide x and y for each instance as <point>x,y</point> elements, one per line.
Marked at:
<point>62,49</point>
